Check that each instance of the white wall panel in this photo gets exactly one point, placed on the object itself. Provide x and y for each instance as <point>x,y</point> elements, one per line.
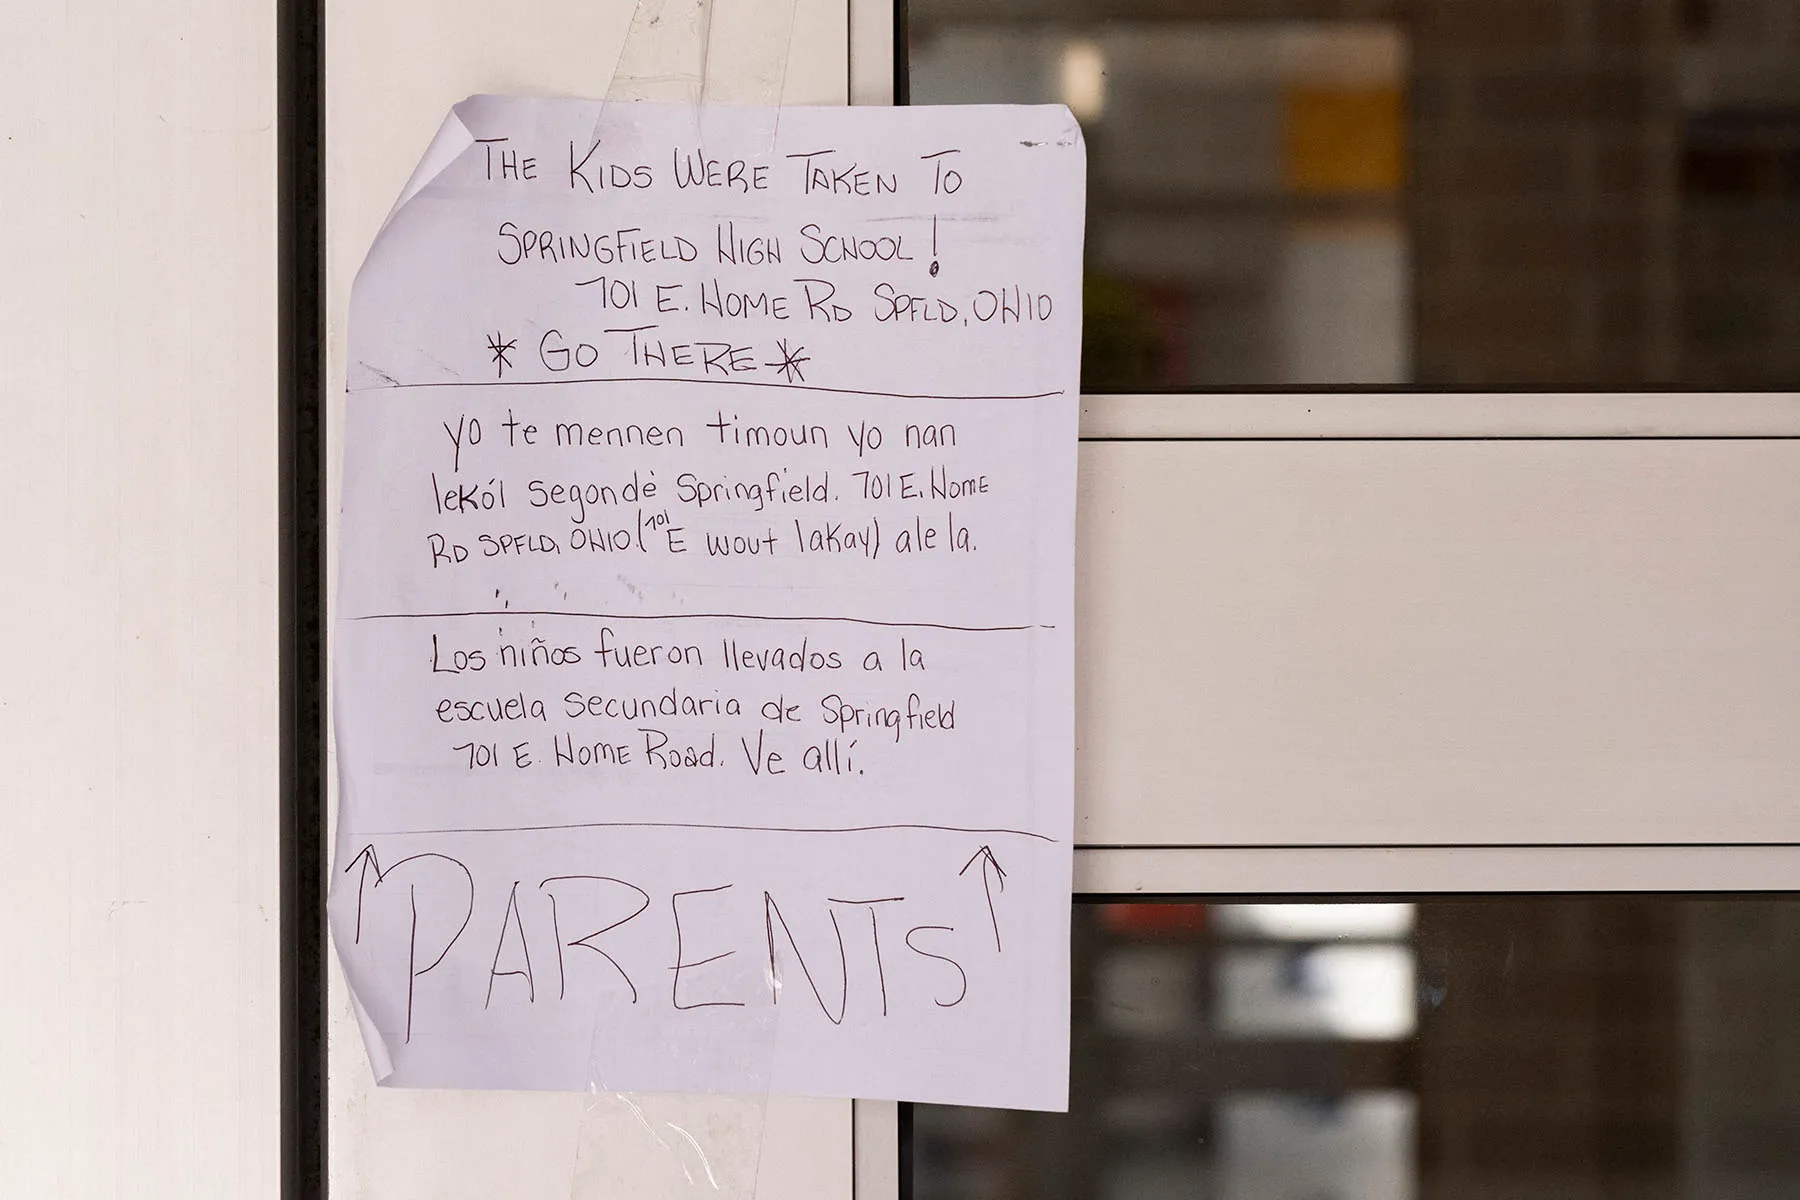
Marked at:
<point>138,691</point>
<point>1444,642</point>
<point>394,68</point>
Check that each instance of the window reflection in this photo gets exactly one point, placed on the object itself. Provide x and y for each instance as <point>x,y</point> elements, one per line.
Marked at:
<point>1314,991</point>
<point>1547,193</point>
<point>1531,1048</point>
<point>1277,1147</point>
<point>1314,922</point>
<point>1244,179</point>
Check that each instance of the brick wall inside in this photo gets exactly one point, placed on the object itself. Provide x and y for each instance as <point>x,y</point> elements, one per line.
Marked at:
<point>1542,195</point>
<point>1550,1064</point>
<point>1605,193</point>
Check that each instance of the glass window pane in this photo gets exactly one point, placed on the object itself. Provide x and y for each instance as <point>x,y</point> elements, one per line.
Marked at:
<point>1555,193</point>
<point>1531,1048</point>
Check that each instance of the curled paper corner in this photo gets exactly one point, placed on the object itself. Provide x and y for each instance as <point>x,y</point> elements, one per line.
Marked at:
<point>452,140</point>
<point>380,1061</point>
<point>455,137</point>
<point>447,145</point>
<point>1071,134</point>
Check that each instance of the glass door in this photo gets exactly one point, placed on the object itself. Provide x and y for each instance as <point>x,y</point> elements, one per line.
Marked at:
<point>1571,202</point>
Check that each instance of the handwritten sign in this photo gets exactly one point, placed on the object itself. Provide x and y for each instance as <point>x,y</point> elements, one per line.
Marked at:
<point>703,662</point>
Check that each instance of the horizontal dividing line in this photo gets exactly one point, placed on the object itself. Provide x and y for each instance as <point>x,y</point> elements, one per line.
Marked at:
<point>1680,896</point>
<point>554,612</point>
<point>1024,833</point>
<point>1209,846</point>
<point>1326,438</point>
<point>1692,388</point>
<point>788,387</point>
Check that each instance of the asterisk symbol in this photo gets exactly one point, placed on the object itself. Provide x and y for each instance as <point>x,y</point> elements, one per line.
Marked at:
<point>501,350</point>
<point>789,366</point>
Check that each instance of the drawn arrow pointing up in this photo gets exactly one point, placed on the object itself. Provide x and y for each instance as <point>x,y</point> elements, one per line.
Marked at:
<point>366,857</point>
<point>991,870</point>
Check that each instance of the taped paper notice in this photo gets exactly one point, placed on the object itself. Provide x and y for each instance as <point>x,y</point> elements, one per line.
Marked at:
<point>703,666</point>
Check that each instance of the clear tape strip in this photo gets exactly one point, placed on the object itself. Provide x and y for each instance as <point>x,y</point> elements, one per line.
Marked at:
<point>666,1145</point>
<point>673,1146</point>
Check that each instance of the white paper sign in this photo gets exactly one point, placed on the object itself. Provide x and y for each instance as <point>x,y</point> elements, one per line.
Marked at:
<point>704,656</point>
